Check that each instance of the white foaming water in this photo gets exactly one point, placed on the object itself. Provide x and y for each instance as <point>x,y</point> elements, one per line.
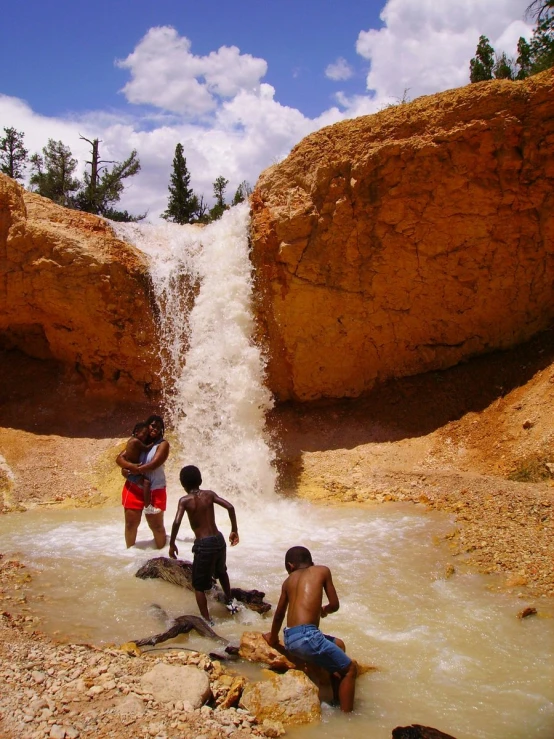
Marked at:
<point>219,397</point>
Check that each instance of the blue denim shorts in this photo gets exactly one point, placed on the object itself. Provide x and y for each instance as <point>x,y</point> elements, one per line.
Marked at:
<point>308,643</point>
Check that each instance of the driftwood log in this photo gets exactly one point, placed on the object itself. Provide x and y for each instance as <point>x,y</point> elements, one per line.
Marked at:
<point>415,731</point>
<point>179,572</point>
<point>182,625</point>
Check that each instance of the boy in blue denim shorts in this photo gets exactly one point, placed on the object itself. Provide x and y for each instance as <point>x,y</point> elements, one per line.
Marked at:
<point>302,597</point>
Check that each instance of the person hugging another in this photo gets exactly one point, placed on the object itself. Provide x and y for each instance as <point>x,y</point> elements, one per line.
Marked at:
<point>134,497</point>
<point>302,597</point>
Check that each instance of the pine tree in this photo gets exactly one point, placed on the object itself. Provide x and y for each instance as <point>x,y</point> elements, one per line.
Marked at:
<point>182,205</point>
<point>524,59</point>
<point>503,68</point>
<point>102,187</point>
<point>220,207</point>
<point>542,42</point>
<point>482,64</point>
<point>244,190</point>
<point>53,173</point>
<point>13,154</point>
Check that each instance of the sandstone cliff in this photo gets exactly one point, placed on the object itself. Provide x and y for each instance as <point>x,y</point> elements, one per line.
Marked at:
<point>409,240</point>
<point>71,291</point>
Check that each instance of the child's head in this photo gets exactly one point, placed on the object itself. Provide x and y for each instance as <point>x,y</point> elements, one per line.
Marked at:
<point>141,431</point>
<point>190,477</point>
<point>297,557</point>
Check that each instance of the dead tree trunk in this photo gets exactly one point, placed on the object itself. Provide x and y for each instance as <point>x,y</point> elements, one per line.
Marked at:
<point>179,572</point>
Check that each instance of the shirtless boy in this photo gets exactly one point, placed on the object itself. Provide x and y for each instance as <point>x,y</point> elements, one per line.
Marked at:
<point>302,595</point>
<point>210,550</point>
<point>136,445</point>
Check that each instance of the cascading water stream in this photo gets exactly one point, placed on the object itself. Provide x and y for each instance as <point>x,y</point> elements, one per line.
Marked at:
<point>203,285</point>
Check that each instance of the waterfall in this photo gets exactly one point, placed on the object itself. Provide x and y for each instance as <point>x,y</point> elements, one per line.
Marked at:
<point>217,400</point>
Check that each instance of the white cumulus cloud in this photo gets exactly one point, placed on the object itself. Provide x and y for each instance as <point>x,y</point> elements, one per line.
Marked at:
<point>425,47</point>
<point>166,74</point>
<point>339,70</point>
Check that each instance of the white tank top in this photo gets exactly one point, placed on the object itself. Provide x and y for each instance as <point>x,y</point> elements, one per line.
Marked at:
<point>157,476</point>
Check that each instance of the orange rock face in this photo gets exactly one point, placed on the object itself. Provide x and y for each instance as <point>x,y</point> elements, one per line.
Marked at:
<point>406,241</point>
<point>71,291</point>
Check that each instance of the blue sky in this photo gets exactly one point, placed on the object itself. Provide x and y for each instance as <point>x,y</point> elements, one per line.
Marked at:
<point>65,57</point>
<point>238,84</point>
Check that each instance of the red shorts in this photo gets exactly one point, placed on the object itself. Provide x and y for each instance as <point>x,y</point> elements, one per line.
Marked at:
<point>132,496</point>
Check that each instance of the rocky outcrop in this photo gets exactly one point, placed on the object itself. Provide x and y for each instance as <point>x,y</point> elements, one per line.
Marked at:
<point>71,291</point>
<point>409,240</point>
<point>291,698</point>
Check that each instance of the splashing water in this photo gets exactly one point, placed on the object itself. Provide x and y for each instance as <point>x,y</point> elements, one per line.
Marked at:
<point>202,280</point>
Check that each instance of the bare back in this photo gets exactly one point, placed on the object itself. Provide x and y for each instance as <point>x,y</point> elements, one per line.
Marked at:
<point>200,511</point>
<point>134,449</point>
<point>304,590</point>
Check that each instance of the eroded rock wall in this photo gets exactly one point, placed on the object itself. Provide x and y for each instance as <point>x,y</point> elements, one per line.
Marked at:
<point>71,291</point>
<point>406,241</point>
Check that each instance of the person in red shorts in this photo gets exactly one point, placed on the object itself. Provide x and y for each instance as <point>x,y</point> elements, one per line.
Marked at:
<point>132,496</point>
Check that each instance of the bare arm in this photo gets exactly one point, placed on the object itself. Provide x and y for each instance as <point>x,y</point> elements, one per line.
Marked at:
<point>234,535</point>
<point>331,594</point>
<point>162,453</point>
<point>122,462</point>
<point>181,507</point>
<point>272,638</point>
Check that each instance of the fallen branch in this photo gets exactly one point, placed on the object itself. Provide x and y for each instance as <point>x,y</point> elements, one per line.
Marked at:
<point>182,625</point>
<point>179,572</point>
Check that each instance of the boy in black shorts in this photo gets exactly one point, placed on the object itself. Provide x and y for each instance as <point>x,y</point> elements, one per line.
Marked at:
<point>210,549</point>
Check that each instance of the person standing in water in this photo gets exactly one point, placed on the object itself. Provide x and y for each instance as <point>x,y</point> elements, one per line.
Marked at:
<point>132,496</point>
<point>136,447</point>
<point>209,548</point>
<point>302,597</point>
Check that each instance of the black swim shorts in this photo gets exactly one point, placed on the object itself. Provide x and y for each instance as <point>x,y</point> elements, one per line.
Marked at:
<point>210,560</point>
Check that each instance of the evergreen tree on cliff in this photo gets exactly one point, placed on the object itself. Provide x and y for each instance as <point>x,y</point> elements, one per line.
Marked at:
<point>542,42</point>
<point>52,173</point>
<point>182,204</point>
<point>244,190</point>
<point>13,155</point>
<point>102,186</point>
<point>482,65</point>
<point>220,207</point>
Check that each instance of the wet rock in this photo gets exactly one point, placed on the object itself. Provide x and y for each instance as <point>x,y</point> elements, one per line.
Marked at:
<point>254,648</point>
<point>291,698</point>
<point>172,683</point>
<point>416,731</point>
<point>526,612</point>
<point>273,728</point>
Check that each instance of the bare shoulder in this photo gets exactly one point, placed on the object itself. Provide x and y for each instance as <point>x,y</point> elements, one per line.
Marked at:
<point>322,571</point>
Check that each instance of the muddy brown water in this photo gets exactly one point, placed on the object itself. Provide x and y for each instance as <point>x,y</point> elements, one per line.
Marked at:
<point>450,652</point>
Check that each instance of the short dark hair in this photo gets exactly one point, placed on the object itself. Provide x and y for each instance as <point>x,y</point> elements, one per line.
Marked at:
<point>190,477</point>
<point>159,419</point>
<point>139,426</point>
<point>298,556</point>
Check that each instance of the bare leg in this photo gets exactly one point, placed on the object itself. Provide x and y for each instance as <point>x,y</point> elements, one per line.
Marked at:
<point>146,492</point>
<point>132,521</point>
<point>156,523</point>
<point>335,676</point>
<point>347,687</point>
<point>202,602</point>
<point>226,585</point>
